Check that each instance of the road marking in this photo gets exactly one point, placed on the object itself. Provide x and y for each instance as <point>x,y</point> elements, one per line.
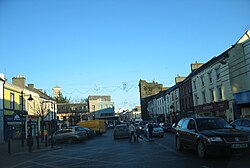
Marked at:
<point>166,147</point>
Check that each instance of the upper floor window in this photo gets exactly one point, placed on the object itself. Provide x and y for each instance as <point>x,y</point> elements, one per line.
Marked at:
<point>204,97</point>
<point>220,93</point>
<point>21,103</point>
<point>202,80</point>
<point>212,94</point>
<point>196,99</point>
<point>12,101</point>
<point>217,71</point>
<point>194,83</point>
<point>210,77</point>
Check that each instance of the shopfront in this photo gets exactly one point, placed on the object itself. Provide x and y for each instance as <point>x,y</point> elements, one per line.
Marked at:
<point>242,103</point>
<point>218,109</point>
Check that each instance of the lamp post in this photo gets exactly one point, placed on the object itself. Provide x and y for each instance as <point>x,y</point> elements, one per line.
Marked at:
<point>52,122</point>
<point>24,113</point>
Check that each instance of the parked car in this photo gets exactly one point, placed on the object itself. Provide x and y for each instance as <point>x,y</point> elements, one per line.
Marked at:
<point>166,127</point>
<point>121,131</point>
<point>157,130</point>
<point>90,133</point>
<point>70,135</point>
<point>242,124</point>
<point>210,135</point>
<point>173,128</point>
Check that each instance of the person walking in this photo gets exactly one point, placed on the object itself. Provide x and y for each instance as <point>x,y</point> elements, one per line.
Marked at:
<point>150,131</point>
<point>131,132</point>
<point>138,135</point>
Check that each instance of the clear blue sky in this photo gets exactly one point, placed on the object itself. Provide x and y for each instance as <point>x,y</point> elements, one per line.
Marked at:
<point>104,47</point>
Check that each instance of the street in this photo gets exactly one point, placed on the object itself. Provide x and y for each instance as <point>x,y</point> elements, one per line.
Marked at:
<point>103,151</point>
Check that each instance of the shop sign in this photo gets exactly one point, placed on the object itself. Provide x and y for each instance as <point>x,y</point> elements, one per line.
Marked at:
<point>216,106</point>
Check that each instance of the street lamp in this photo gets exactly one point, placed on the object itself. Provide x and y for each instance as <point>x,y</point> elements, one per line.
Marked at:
<point>24,113</point>
<point>52,122</point>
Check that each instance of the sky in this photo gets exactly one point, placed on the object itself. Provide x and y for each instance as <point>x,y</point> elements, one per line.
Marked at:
<point>104,47</point>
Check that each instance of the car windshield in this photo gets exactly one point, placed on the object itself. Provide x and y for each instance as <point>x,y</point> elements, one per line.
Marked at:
<point>121,127</point>
<point>211,123</point>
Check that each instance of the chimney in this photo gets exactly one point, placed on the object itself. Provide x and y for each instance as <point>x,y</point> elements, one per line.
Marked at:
<point>19,81</point>
<point>179,79</point>
<point>196,65</point>
<point>31,86</point>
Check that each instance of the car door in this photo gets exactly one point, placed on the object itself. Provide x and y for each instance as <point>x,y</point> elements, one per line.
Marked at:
<point>191,134</point>
<point>183,132</point>
<point>58,136</point>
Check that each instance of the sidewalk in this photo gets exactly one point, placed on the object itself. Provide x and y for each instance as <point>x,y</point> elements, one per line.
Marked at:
<point>17,149</point>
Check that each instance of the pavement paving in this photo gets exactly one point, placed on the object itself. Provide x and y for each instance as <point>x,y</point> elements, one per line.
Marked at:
<point>14,147</point>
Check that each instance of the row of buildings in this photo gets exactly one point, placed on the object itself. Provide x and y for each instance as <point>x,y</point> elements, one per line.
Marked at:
<point>28,111</point>
<point>219,87</point>
<point>24,109</point>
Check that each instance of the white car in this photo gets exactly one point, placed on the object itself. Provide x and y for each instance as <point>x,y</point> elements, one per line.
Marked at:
<point>157,130</point>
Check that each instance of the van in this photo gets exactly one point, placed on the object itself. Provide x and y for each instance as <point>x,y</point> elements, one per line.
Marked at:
<point>97,125</point>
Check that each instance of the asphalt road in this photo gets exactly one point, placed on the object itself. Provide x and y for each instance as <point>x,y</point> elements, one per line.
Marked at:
<point>105,152</point>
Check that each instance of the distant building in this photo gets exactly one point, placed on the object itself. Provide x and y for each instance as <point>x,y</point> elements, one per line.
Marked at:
<point>56,91</point>
<point>146,90</point>
<point>99,102</point>
<point>72,113</point>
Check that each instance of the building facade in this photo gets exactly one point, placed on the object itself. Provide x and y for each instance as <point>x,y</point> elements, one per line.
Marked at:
<point>239,72</point>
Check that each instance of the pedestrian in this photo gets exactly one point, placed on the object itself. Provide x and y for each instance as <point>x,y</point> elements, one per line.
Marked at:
<point>150,131</point>
<point>138,135</point>
<point>131,132</point>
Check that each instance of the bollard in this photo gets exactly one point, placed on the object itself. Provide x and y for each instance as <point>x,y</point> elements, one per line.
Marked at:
<point>46,141</point>
<point>30,143</point>
<point>37,142</point>
<point>9,146</point>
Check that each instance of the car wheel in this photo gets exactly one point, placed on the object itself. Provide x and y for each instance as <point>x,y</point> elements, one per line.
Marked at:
<point>179,146</point>
<point>201,151</point>
<point>70,140</point>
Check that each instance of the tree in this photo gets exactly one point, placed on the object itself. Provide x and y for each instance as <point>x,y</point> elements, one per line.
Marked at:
<point>62,99</point>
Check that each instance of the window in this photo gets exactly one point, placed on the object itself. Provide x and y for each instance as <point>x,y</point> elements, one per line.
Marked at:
<point>185,124</point>
<point>194,83</point>
<point>217,71</point>
<point>202,80</point>
<point>204,97</point>
<point>220,93</point>
<point>246,123</point>
<point>196,99</point>
<point>12,101</point>
<point>210,77</point>
<point>93,107</point>
<point>212,94</point>
<point>21,103</point>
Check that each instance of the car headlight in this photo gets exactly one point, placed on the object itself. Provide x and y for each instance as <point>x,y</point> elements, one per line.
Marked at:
<point>214,139</point>
<point>140,127</point>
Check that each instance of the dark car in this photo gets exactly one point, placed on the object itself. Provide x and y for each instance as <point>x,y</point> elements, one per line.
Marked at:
<point>121,131</point>
<point>142,125</point>
<point>210,135</point>
<point>173,128</point>
<point>242,124</point>
<point>166,127</point>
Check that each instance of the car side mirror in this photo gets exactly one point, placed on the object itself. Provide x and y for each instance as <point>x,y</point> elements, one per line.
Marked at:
<point>233,125</point>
